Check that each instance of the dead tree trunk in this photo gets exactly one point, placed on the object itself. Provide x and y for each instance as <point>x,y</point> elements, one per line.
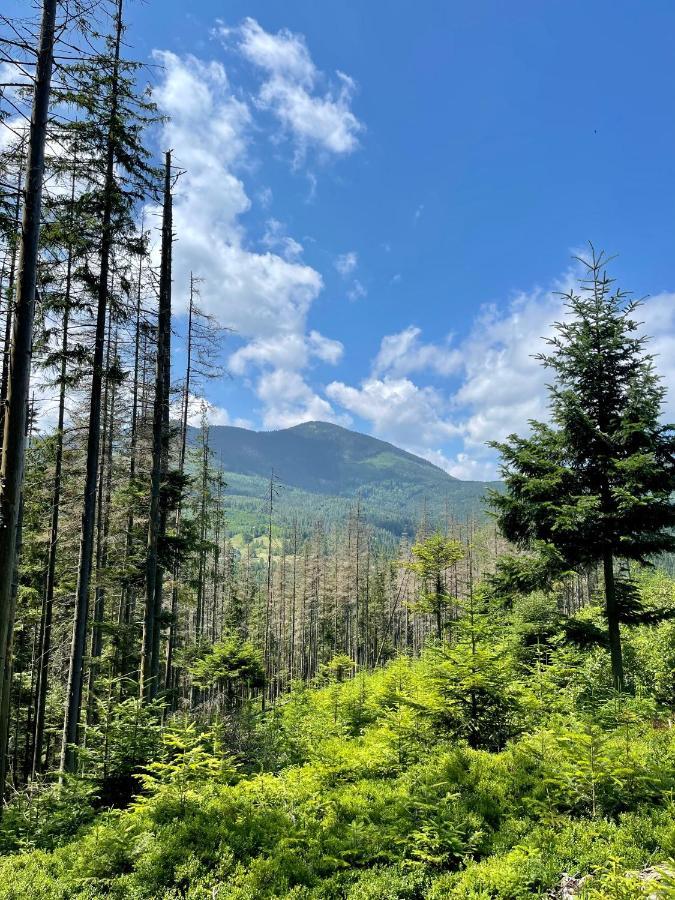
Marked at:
<point>160,438</point>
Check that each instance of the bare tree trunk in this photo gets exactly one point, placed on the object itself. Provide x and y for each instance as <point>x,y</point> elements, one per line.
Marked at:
<point>102,530</point>
<point>48,601</point>
<point>268,598</point>
<point>18,386</point>
<point>613,626</point>
<point>127,595</point>
<point>157,516</point>
<point>171,640</point>
<point>9,318</point>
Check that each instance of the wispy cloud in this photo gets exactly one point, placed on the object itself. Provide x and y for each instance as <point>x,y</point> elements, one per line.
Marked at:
<point>312,111</point>
<point>346,263</point>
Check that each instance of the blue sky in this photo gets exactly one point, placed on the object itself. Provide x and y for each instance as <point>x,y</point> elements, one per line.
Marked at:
<point>381,197</point>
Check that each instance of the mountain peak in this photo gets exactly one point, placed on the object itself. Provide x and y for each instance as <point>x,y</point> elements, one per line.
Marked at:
<point>324,457</point>
<point>323,467</point>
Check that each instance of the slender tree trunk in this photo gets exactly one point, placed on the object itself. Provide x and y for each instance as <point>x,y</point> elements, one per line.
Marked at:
<point>171,638</point>
<point>157,516</point>
<point>10,304</point>
<point>71,719</point>
<point>102,530</point>
<point>48,600</point>
<point>613,628</point>
<point>268,598</point>
<point>14,433</point>
<point>6,696</point>
<point>439,607</point>
<point>127,596</point>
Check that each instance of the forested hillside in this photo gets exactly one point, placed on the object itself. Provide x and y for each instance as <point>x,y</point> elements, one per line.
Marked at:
<point>301,663</point>
<point>321,469</point>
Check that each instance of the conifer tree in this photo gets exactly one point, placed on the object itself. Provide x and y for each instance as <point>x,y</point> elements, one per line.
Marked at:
<point>596,483</point>
<point>105,90</point>
<point>15,419</point>
<point>431,558</point>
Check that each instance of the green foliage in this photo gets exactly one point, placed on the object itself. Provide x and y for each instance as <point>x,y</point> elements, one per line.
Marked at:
<point>431,558</point>
<point>474,694</point>
<point>229,665</point>
<point>126,736</point>
<point>597,483</point>
<point>486,769</point>
<point>45,815</point>
<point>191,758</point>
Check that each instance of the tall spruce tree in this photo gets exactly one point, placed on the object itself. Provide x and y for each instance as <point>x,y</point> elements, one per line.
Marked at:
<point>114,117</point>
<point>15,419</point>
<point>596,484</point>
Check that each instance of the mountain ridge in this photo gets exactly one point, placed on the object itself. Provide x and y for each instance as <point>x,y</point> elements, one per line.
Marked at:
<point>317,425</point>
<point>323,468</point>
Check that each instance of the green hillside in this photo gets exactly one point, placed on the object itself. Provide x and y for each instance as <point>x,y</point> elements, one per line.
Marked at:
<point>322,468</point>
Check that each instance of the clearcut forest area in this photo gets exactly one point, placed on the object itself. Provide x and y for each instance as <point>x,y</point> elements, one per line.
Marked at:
<point>282,614</point>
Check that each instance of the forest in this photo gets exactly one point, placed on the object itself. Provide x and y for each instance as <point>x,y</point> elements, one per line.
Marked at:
<point>266,699</point>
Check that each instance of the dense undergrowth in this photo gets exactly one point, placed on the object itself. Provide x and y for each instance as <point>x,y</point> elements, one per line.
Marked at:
<point>486,769</point>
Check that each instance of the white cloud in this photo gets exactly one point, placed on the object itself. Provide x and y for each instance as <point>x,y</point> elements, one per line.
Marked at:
<point>357,291</point>
<point>324,348</point>
<point>275,238</point>
<point>497,385</point>
<point>209,131</point>
<point>503,385</point>
<point>400,411</point>
<point>288,400</point>
<point>346,263</point>
<point>198,407</point>
<point>466,467</point>
<point>290,352</point>
<point>290,89</point>
<point>403,353</point>
<point>283,53</point>
<point>265,297</point>
<point>658,316</point>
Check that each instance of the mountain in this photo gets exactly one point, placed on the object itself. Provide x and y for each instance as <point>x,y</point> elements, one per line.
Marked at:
<point>323,458</point>
<point>322,468</point>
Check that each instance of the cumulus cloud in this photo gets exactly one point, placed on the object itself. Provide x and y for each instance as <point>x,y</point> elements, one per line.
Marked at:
<point>264,296</point>
<point>199,408</point>
<point>399,410</point>
<point>494,388</point>
<point>288,400</point>
<point>293,89</point>
<point>658,317</point>
<point>209,131</point>
<point>404,352</point>
<point>494,385</point>
<point>290,352</point>
<point>503,385</point>
<point>275,238</point>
